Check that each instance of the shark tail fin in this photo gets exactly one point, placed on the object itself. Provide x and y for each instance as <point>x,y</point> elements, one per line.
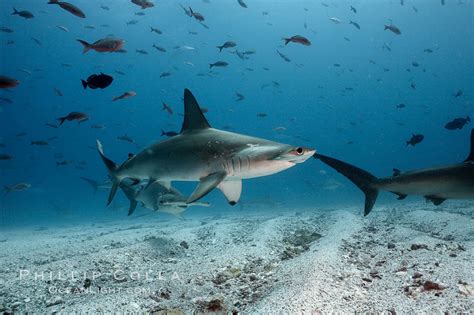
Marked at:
<point>362,179</point>
<point>111,168</point>
<point>470,158</point>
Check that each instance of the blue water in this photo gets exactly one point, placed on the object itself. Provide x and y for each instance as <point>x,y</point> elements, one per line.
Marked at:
<point>312,102</point>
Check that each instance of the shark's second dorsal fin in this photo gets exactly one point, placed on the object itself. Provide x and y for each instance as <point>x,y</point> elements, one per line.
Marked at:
<point>193,117</point>
<point>470,158</point>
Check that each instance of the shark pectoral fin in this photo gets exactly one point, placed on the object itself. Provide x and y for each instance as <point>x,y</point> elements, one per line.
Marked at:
<point>133,206</point>
<point>166,184</point>
<point>400,195</point>
<point>435,200</point>
<point>206,184</point>
<point>232,190</point>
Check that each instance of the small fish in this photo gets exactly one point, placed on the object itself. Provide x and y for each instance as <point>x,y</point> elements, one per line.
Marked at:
<point>239,96</point>
<point>98,126</point>
<point>58,92</point>
<point>415,64</point>
<point>415,139</point>
<point>335,20</point>
<point>428,50</point>
<point>144,4</point>
<point>155,30</point>
<point>355,24</point>
<point>141,51</point>
<point>24,14</point>
<point>140,13</point>
<point>228,44</point>
<point>102,45</point>
<point>95,81</point>
<point>5,157</point>
<point>104,7</point>
<point>62,163</point>
<point>119,72</point>
<point>21,134</point>
<point>400,106</point>
<point>218,64</point>
<point>17,187</point>
<point>159,48</point>
<point>125,138</point>
<point>386,47</point>
<point>69,7</point>
<point>196,15</point>
<point>457,123</point>
<point>242,3</point>
<point>63,28</point>
<point>458,93</point>
<point>262,115</point>
<point>413,86</point>
<point>165,74</point>
<point>39,143</point>
<point>7,82</point>
<point>6,30</point>
<point>51,125</point>
<point>167,108</point>
<point>37,41</point>
<point>297,39</point>
<point>132,22</point>
<point>393,29</point>
<point>124,96</point>
<point>90,27</point>
<point>284,57</point>
<point>80,117</point>
<point>353,9</point>
<point>168,133</point>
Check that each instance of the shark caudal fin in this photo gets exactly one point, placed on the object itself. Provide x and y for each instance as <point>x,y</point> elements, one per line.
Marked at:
<point>111,168</point>
<point>470,158</point>
<point>362,179</point>
<point>131,195</point>
<point>193,117</point>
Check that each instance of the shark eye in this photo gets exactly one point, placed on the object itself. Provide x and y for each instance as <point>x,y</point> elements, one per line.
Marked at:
<point>299,151</point>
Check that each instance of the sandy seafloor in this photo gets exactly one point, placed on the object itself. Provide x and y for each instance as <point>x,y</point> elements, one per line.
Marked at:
<point>412,257</point>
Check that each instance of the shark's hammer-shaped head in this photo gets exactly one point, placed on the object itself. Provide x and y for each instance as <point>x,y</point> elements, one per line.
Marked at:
<point>296,155</point>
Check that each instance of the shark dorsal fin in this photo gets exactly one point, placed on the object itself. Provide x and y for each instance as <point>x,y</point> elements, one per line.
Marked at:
<point>470,158</point>
<point>193,117</point>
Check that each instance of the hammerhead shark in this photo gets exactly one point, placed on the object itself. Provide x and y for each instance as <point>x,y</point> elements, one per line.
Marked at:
<point>214,158</point>
<point>436,184</point>
<point>158,198</point>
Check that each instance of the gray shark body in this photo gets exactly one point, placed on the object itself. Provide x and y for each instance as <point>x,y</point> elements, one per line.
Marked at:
<point>157,197</point>
<point>213,157</point>
<point>435,184</point>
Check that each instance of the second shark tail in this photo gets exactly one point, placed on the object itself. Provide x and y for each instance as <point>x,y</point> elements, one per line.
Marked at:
<point>111,168</point>
<point>131,195</point>
<point>362,179</point>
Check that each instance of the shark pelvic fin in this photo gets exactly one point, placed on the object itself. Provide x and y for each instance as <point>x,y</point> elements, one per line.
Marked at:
<point>231,190</point>
<point>470,158</point>
<point>193,117</point>
<point>362,179</point>
<point>206,184</point>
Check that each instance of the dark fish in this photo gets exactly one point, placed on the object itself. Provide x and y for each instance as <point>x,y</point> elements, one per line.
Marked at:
<point>104,7</point>
<point>393,29</point>
<point>355,24</point>
<point>415,64</point>
<point>228,44</point>
<point>144,4</point>
<point>242,3</point>
<point>125,138</point>
<point>37,41</point>
<point>457,123</point>
<point>17,187</point>
<point>132,22</point>
<point>51,125</point>
<point>353,9</point>
<point>39,142</point>
<point>415,139</point>
<point>24,14</point>
<point>6,30</point>
<point>413,85</point>
<point>140,13</point>
<point>98,126</point>
<point>458,93</point>
<point>165,74</point>
<point>218,64</point>
<point>240,97</point>
<point>7,82</point>
<point>5,157</point>
<point>21,134</point>
<point>62,163</point>
<point>428,50</point>
<point>159,48</point>
<point>284,57</point>
<point>6,100</point>
<point>141,51</point>
<point>401,105</point>
<point>58,92</point>
<point>102,45</point>
<point>69,7</point>
<point>155,30</point>
<point>95,81</point>
<point>80,117</point>
<point>262,115</point>
<point>168,133</point>
<point>167,108</point>
<point>297,39</point>
<point>196,15</point>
